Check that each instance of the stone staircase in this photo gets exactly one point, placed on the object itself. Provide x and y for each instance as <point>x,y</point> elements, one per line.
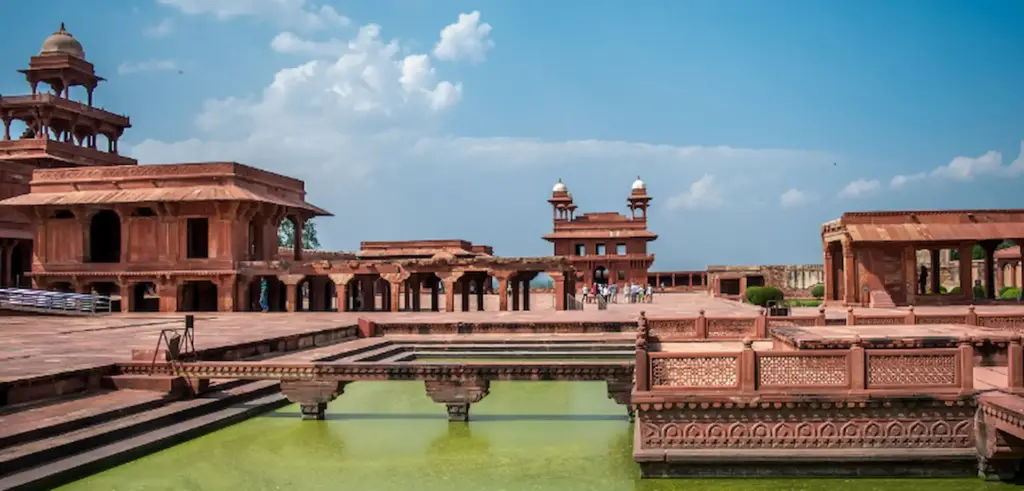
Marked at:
<point>880,299</point>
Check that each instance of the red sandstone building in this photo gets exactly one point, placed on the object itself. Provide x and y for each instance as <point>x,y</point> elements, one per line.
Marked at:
<point>871,257</point>
<point>56,131</point>
<point>605,247</point>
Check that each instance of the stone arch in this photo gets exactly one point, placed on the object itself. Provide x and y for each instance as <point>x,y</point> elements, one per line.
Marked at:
<point>601,275</point>
<point>105,237</point>
<point>276,294</point>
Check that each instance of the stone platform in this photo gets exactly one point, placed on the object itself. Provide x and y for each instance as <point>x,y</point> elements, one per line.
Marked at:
<point>889,336</point>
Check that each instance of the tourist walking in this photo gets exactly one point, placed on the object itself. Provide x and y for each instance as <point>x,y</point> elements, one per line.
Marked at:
<point>264,305</point>
<point>585,299</point>
<point>649,294</point>
<point>613,292</point>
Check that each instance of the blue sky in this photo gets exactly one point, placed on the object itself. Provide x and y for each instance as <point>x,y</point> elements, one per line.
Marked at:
<point>751,122</point>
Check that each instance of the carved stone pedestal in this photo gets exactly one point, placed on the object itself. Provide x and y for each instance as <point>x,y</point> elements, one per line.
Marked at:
<point>619,391</point>
<point>312,396</point>
<point>457,395</point>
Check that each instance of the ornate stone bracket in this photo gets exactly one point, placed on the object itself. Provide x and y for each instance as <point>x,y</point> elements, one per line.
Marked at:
<point>457,395</point>
<point>619,391</point>
<point>312,396</point>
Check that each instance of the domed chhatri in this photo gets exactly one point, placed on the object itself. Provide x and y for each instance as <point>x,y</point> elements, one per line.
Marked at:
<point>559,187</point>
<point>638,184</point>
<point>62,43</point>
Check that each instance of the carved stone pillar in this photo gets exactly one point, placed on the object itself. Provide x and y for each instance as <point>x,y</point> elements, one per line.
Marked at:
<point>991,287</point>
<point>457,395</point>
<point>910,273</point>
<point>312,396</point>
<point>242,301</point>
<point>850,292</point>
<point>619,391</point>
<point>516,283</point>
<point>434,300</point>
<point>127,298</point>
<point>395,280</point>
<point>966,271</point>
<point>559,279</point>
<point>226,293</point>
<point>167,289</point>
<point>480,287</point>
<point>450,279</point>
<point>299,225</point>
<point>341,282</point>
<point>415,284</point>
<point>291,283</point>
<point>935,271</point>
<point>830,274</point>
<point>502,292</point>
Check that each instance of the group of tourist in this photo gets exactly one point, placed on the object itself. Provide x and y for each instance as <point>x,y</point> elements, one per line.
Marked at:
<point>633,293</point>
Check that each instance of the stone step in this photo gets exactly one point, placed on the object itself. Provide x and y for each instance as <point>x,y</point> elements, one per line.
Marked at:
<point>587,347</point>
<point>375,354</point>
<point>354,349</point>
<point>32,453</point>
<point>399,357</point>
<point>63,470</point>
<point>880,299</point>
<point>502,339</point>
<point>468,356</point>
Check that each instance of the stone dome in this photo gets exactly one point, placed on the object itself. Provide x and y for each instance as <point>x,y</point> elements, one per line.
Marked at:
<point>559,187</point>
<point>638,184</point>
<point>62,43</point>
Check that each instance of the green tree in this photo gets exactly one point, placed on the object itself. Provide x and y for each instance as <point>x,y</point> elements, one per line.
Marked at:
<point>977,252</point>
<point>286,235</point>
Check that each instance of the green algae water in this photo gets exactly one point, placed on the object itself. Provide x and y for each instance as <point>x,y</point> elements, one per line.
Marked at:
<point>388,436</point>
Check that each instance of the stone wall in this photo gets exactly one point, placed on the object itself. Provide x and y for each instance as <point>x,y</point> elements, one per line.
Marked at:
<point>795,280</point>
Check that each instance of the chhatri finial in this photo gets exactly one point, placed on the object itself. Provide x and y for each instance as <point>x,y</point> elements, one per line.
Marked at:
<point>62,29</point>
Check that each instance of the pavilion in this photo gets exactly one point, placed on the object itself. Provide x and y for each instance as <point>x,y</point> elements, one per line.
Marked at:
<point>871,258</point>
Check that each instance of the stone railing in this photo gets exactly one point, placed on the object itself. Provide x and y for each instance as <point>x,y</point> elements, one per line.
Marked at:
<point>669,329</point>
<point>947,371</point>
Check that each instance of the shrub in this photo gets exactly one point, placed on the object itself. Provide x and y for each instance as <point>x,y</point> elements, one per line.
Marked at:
<point>1009,293</point>
<point>1003,290</point>
<point>818,291</point>
<point>955,290</point>
<point>761,295</point>
<point>979,291</point>
<point>942,290</point>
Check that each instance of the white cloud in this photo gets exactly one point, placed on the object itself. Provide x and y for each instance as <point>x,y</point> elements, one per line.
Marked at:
<point>859,187</point>
<point>342,119</point>
<point>965,169</point>
<point>466,39</point>
<point>147,66</point>
<point>160,29</point>
<point>704,193</point>
<point>902,180</point>
<point>287,14</point>
<point>794,198</point>
<point>287,42</point>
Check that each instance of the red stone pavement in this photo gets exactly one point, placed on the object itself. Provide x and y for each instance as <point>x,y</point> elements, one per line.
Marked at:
<point>35,345</point>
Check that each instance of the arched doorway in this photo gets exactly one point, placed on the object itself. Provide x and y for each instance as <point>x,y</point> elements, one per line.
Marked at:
<point>276,294</point>
<point>105,237</point>
<point>600,275</point>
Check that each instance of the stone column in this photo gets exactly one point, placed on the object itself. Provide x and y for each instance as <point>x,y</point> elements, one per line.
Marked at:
<point>466,282</point>
<point>242,301</point>
<point>1000,277</point>
<point>8,265</point>
<point>341,281</point>
<point>416,284</point>
<point>226,293</point>
<point>502,290</point>
<point>312,396</point>
<point>909,262</point>
<point>480,287</point>
<point>395,281</point>
<point>291,282</point>
<point>991,288</point>
<point>516,282</point>
<point>830,274</point>
<point>299,224</point>
<point>434,300</point>
<point>936,272</point>
<point>457,395</point>
<point>849,277</point>
<point>559,279</point>
<point>966,271</point>
<point>167,289</point>
<point>126,295</point>
<point>449,279</point>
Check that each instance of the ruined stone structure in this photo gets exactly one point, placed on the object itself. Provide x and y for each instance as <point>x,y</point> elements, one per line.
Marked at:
<point>46,130</point>
<point>606,247</point>
<point>871,257</point>
<point>795,280</point>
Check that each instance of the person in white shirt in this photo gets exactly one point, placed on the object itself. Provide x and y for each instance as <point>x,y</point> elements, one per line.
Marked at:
<point>647,294</point>
<point>585,299</point>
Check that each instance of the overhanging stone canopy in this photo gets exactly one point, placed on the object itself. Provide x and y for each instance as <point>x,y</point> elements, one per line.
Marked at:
<point>870,257</point>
